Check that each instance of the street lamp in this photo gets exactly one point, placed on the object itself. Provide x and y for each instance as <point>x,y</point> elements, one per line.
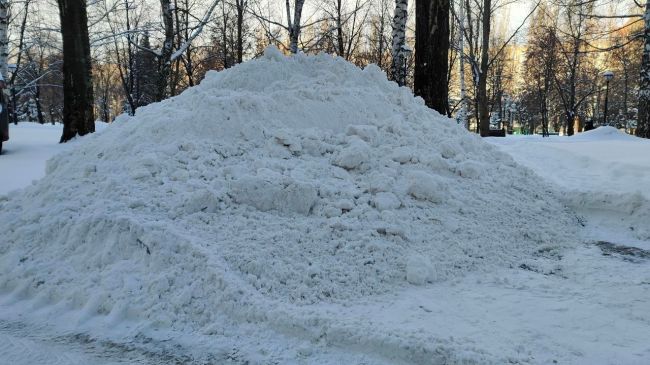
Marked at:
<point>608,75</point>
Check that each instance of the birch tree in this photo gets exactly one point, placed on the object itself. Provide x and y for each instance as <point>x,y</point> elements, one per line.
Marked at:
<point>4,41</point>
<point>166,55</point>
<point>293,24</point>
<point>397,69</point>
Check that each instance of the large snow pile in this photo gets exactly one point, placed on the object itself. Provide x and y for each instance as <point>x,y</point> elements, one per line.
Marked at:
<point>283,181</point>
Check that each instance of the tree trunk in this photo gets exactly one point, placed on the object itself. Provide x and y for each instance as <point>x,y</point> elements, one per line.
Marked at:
<point>164,60</point>
<point>78,116</point>
<point>240,35</point>
<point>483,113</point>
<point>294,29</point>
<point>462,113</point>
<point>380,50</point>
<point>21,43</point>
<point>39,108</point>
<point>571,115</point>
<point>432,52</point>
<point>339,29</point>
<point>397,69</point>
<point>643,122</point>
<point>4,42</point>
<point>626,88</point>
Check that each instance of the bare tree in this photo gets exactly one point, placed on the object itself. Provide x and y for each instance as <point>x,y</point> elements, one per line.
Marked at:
<point>167,54</point>
<point>574,86</point>
<point>541,63</point>
<point>377,39</point>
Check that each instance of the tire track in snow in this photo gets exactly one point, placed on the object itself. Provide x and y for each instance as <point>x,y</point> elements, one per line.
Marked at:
<point>29,345</point>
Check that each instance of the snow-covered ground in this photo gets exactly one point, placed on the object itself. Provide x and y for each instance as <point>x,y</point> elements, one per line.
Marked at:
<point>604,175</point>
<point>24,155</point>
<point>336,221</point>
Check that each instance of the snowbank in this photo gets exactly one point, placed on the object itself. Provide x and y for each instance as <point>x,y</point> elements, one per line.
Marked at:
<point>603,173</point>
<point>603,133</point>
<point>277,184</point>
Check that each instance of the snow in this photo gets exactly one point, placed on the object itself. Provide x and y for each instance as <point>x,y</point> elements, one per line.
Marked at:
<point>300,210</point>
<point>24,155</point>
<point>603,174</point>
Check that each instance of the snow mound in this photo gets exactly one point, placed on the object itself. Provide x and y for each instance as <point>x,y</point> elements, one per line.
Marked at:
<point>282,181</point>
<point>603,133</point>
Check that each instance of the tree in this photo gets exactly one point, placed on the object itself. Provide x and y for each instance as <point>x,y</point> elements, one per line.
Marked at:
<point>168,53</point>
<point>397,69</point>
<point>432,52</point>
<point>4,23</point>
<point>377,39</point>
<point>481,97</point>
<point>241,6</point>
<point>643,123</point>
<point>541,64</point>
<point>575,83</point>
<point>78,115</point>
<point>294,25</point>
<point>344,26</point>
<point>144,74</point>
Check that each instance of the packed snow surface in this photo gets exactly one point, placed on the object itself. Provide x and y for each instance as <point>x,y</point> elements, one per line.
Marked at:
<point>269,192</point>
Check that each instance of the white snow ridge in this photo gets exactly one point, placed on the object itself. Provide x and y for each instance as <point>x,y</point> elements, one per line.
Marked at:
<point>272,188</point>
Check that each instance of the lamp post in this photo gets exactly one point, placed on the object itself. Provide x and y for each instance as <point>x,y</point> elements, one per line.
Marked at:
<point>506,112</point>
<point>608,75</point>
